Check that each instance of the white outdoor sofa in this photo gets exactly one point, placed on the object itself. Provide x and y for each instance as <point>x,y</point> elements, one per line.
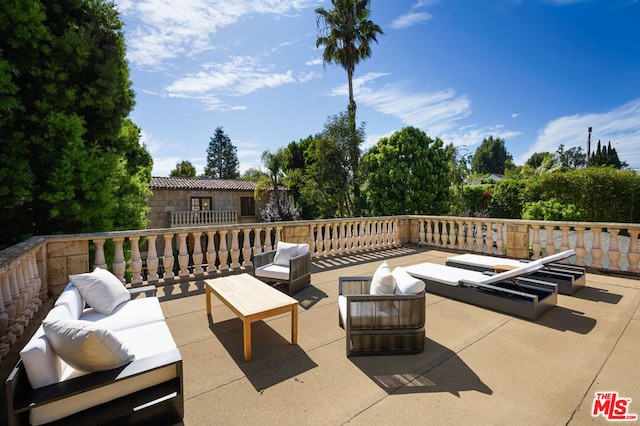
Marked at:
<point>114,362</point>
<point>568,277</point>
<point>511,292</point>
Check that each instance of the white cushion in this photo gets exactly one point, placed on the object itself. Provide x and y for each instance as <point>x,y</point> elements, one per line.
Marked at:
<point>382,281</point>
<point>41,363</point>
<point>284,253</point>
<point>443,274</point>
<point>86,346</point>
<point>303,249</point>
<point>102,290</point>
<point>405,283</point>
<point>272,271</point>
<point>134,313</point>
<point>72,300</point>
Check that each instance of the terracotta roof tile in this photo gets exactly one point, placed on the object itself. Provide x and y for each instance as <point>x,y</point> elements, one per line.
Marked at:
<point>202,184</point>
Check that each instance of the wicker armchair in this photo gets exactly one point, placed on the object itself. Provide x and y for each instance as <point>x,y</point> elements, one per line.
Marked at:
<point>380,324</point>
<point>297,275</point>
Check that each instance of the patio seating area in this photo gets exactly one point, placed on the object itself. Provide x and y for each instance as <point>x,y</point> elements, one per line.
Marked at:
<point>478,366</point>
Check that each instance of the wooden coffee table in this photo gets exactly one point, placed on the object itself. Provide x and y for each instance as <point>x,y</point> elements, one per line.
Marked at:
<point>252,300</point>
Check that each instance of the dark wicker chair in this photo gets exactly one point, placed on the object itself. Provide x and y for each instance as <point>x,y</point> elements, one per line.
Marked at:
<point>380,324</point>
<point>299,275</point>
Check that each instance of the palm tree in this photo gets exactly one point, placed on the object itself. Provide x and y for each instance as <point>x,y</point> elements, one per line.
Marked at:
<point>346,33</point>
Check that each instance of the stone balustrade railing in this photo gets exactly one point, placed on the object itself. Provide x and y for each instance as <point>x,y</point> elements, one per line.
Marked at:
<point>39,268</point>
<point>598,246</point>
<point>202,217</point>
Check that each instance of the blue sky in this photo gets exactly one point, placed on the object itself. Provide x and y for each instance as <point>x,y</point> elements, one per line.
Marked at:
<point>536,73</point>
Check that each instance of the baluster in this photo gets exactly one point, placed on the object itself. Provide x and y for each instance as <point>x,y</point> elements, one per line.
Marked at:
<point>632,255</point>
<point>327,239</point>
<point>35,279</point>
<point>319,244</point>
<point>335,249</point>
<point>257,245</point>
<point>596,248</point>
<point>119,266</point>
<point>246,248</point>
<point>167,259</point>
<point>235,249</point>
<point>450,234</point>
<point>211,252</point>
<point>10,308</point>
<point>429,237</point>
<point>580,248</point>
<point>371,232</point>
<point>19,322</point>
<point>198,256</point>
<point>421,233</point>
<point>5,341</point>
<point>614,253</point>
<point>348,245</point>
<point>551,240</point>
<point>99,260</point>
<point>343,237</point>
<point>223,253</point>
<point>183,255</point>
<point>136,262</point>
<point>536,245</point>
<point>564,245</point>
<point>278,234</point>
<point>267,239</point>
<point>152,260</point>
<point>312,241</point>
<point>27,312</point>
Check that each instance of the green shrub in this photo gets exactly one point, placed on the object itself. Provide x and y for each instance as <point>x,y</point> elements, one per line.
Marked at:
<point>550,210</point>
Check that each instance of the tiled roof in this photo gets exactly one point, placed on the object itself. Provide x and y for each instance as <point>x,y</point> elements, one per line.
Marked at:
<point>202,183</point>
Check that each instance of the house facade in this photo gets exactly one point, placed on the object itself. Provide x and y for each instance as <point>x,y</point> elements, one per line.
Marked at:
<point>178,202</point>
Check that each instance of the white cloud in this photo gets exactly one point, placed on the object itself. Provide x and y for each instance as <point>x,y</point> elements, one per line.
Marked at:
<point>435,112</point>
<point>620,126</point>
<point>168,28</point>
<point>409,19</point>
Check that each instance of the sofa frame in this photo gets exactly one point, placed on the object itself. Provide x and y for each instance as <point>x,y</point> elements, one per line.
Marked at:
<point>381,335</point>
<point>299,270</point>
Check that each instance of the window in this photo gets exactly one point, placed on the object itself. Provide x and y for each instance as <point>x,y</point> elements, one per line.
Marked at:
<point>247,206</point>
<point>200,203</point>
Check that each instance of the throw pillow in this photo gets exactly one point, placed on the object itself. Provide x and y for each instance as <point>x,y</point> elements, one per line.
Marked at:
<point>382,281</point>
<point>86,346</point>
<point>102,290</point>
<point>284,253</point>
<point>405,283</point>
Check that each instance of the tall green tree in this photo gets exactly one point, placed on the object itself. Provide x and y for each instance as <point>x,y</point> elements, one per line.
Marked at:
<point>222,157</point>
<point>184,169</point>
<point>573,158</point>
<point>408,173</point>
<point>607,156</point>
<point>64,96</point>
<point>346,33</point>
<point>491,157</point>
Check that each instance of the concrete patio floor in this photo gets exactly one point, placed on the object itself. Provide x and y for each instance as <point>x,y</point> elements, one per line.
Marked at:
<point>478,367</point>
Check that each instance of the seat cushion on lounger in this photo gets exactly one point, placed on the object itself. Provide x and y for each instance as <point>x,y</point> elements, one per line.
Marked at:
<point>443,274</point>
<point>481,261</point>
<point>136,312</point>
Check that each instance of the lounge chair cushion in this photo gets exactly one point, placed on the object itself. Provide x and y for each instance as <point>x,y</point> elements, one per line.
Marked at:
<point>383,281</point>
<point>86,346</point>
<point>405,283</point>
<point>102,290</point>
<point>284,253</point>
<point>126,315</point>
<point>273,271</point>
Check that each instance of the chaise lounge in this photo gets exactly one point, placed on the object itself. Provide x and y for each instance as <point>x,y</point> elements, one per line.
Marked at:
<point>569,278</point>
<point>510,292</point>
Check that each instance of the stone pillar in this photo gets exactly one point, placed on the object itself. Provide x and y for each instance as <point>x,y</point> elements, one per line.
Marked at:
<point>518,240</point>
